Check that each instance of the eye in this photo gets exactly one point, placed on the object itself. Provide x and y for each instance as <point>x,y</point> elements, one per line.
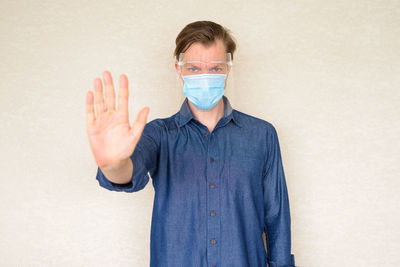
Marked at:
<point>193,69</point>
<point>216,69</point>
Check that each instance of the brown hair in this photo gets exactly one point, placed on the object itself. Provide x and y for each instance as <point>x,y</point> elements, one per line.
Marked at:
<point>206,33</point>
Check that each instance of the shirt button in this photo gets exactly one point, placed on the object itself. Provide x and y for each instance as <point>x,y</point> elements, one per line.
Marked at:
<point>213,241</point>
<point>212,159</point>
<point>212,185</point>
<point>205,133</point>
<point>212,213</point>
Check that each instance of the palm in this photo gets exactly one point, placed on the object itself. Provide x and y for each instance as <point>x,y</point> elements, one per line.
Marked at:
<point>111,137</point>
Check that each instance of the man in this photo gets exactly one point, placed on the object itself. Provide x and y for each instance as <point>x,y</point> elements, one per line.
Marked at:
<point>217,172</point>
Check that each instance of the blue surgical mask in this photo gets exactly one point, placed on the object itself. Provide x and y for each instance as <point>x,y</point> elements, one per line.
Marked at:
<point>204,90</point>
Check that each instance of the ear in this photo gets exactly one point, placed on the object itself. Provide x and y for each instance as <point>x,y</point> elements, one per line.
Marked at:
<point>178,70</point>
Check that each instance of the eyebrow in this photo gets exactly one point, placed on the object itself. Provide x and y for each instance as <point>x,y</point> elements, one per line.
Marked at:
<point>193,64</point>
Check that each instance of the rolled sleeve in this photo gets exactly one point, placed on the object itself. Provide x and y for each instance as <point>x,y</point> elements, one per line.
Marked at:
<point>275,264</point>
<point>276,206</point>
<point>144,159</point>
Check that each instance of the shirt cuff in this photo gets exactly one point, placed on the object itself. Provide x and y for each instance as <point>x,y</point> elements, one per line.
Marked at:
<point>138,181</point>
<point>275,264</point>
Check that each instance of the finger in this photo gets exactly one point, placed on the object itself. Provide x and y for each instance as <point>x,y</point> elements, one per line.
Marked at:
<point>98,97</point>
<point>140,122</point>
<point>110,93</point>
<point>89,109</point>
<point>123,94</point>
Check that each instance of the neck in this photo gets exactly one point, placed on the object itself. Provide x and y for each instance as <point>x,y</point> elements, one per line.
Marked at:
<point>211,117</point>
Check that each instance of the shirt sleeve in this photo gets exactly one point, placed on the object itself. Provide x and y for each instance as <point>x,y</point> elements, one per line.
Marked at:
<point>144,159</point>
<point>276,206</point>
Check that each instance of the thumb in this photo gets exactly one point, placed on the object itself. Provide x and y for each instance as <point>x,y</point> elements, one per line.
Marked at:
<point>140,123</point>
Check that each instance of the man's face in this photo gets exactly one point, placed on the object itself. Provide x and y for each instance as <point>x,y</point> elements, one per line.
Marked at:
<point>198,52</point>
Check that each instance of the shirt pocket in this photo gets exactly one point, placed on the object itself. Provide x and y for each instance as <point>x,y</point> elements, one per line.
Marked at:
<point>245,177</point>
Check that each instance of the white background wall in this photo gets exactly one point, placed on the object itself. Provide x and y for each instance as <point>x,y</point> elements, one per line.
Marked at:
<point>325,73</point>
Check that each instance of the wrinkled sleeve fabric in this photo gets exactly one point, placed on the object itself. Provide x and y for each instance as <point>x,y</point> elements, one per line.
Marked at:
<point>276,206</point>
<point>144,159</point>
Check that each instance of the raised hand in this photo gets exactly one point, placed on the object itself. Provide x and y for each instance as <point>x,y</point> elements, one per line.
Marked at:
<point>112,139</point>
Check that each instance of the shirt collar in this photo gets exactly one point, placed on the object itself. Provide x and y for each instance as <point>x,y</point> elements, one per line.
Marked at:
<point>185,114</point>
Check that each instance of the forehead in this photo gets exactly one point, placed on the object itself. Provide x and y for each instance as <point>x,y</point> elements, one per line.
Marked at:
<point>198,51</point>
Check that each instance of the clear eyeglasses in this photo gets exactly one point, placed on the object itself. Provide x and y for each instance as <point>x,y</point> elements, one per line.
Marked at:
<point>193,67</point>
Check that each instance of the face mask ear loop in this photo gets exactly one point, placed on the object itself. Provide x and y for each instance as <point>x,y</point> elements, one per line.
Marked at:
<point>230,89</point>
<point>179,96</point>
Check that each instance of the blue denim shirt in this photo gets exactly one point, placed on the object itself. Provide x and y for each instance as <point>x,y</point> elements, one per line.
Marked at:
<point>215,193</point>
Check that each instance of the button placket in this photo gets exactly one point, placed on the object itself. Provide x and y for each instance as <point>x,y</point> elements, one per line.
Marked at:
<point>213,220</point>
